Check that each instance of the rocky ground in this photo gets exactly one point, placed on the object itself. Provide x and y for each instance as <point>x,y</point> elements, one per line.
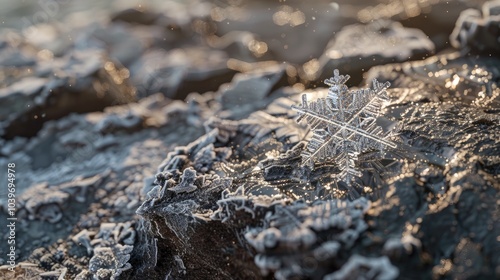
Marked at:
<point>158,141</point>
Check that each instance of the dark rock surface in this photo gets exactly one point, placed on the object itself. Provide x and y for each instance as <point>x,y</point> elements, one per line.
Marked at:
<point>180,71</point>
<point>478,31</point>
<point>435,17</point>
<point>40,88</point>
<point>158,142</point>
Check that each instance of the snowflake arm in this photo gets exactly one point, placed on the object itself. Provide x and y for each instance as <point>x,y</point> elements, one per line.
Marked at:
<point>345,126</point>
<point>318,147</point>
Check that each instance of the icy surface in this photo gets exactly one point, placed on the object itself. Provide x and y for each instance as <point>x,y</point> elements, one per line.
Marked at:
<point>202,172</point>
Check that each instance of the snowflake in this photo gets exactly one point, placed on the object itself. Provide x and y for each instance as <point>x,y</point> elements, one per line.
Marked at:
<point>344,125</point>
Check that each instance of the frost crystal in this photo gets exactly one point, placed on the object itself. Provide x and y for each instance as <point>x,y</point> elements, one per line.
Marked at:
<point>344,125</point>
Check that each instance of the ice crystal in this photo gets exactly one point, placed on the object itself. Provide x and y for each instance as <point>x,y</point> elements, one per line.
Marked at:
<point>344,125</point>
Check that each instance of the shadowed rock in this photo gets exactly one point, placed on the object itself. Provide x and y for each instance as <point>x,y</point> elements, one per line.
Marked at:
<point>81,81</point>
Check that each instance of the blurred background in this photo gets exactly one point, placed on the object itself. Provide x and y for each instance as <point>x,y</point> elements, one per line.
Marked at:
<point>179,47</point>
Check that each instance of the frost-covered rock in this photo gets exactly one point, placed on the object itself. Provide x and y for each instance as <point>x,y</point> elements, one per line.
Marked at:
<point>298,233</point>
<point>478,31</point>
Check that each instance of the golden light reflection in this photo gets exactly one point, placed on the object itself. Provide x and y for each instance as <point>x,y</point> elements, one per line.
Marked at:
<point>233,13</point>
<point>299,87</point>
<point>452,84</point>
<point>218,14</point>
<point>258,48</point>
<point>118,75</point>
<point>287,15</point>
<point>334,54</point>
<point>311,67</point>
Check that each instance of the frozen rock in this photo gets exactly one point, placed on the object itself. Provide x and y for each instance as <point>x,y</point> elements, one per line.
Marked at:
<point>450,77</point>
<point>15,55</point>
<point>178,72</point>
<point>478,31</point>
<point>246,90</point>
<point>359,267</point>
<point>356,48</point>
<point>426,15</point>
<point>47,202</point>
<point>186,183</point>
<point>122,42</point>
<point>300,238</point>
<point>91,180</point>
<point>22,270</point>
<point>81,81</point>
<point>111,252</point>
